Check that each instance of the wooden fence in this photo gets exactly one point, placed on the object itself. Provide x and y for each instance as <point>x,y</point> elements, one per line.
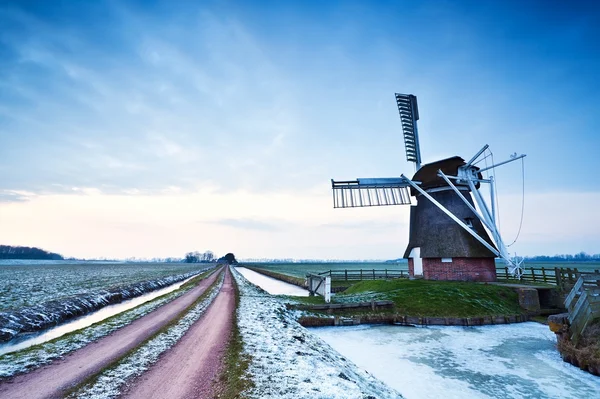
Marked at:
<point>563,277</point>
<point>364,274</point>
<point>583,304</point>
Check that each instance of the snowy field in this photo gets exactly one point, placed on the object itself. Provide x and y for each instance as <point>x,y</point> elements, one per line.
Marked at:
<point>28,283</point>
<point>507,361</point>
<point>290,362</point>
<point>271,285</point>
<point>32,339</point>
<point>38,355</point>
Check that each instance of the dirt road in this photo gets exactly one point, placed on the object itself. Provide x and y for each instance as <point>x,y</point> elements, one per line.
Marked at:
<point>53,380</point>
<point>188,369</point>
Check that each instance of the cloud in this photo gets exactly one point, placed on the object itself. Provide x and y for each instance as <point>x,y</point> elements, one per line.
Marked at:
<point>15,196</point>
<point>373,225</point>
<point>151,113</point>
<point>250,224</point>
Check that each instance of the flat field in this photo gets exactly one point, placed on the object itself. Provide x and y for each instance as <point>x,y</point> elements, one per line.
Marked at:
<point>28,284</point>
<point>580,266</point>
<point>300,269</point>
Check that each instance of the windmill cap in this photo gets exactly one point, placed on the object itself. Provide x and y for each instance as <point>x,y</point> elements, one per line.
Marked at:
<point>428,174</point>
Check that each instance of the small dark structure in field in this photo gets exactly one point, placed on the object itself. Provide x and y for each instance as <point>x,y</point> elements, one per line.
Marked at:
<point>449,225</point>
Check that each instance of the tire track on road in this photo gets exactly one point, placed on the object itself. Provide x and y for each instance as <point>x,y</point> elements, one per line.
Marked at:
<point>57,378</point>
<point>189,369</point>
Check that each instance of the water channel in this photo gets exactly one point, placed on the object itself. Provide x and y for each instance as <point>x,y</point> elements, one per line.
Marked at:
<point>503,361</point>
<point>85,321</point>
<point>271,285</point>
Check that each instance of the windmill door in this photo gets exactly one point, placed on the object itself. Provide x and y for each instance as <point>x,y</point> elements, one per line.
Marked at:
<point>415,254</point>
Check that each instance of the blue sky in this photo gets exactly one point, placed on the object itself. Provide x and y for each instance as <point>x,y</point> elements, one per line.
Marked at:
<point>134,128</point>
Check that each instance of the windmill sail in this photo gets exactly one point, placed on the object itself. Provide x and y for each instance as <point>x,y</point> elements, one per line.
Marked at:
<point>409,115</point>
<point>370,192</point>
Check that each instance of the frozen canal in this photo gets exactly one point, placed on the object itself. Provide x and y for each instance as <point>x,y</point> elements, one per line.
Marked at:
<point>271,285</point>
<point>508,361</point>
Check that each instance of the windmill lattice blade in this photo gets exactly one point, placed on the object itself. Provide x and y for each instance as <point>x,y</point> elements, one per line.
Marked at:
<point>370,192</point>
<point>409,114</point>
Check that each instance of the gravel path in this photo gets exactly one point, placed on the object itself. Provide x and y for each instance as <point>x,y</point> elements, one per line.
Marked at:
<point>189,369</point>
<point>53,380</point>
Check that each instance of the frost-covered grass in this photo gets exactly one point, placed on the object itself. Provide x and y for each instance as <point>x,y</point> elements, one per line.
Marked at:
<point>24,285</point>
<point>33,357</point>
<point>108,383</point>
<point>290,362</point>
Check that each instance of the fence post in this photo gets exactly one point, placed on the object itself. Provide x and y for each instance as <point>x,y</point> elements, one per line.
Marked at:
<point>544,274</point>
<point>361,274</point>
<point>569,275</point>
<point>532,274</point>
<point>506,271</point>
<point>386,274</point>
<point>558,277</point>
<point>373,274</point>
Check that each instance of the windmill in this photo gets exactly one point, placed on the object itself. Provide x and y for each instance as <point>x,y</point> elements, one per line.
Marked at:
<point>451,223</point>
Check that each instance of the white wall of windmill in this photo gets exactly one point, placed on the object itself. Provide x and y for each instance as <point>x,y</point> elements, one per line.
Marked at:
<point>415,254</point>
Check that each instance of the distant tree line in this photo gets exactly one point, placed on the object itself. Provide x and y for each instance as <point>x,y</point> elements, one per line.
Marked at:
<point>208,256</point>
<point>579,257</point>
<point>11,252</point>
<point>229,258</point>
<point>197,257</point>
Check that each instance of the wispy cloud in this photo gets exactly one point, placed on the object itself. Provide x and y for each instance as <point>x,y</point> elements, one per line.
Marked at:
<point>372,225</point>
<point>250,224</point>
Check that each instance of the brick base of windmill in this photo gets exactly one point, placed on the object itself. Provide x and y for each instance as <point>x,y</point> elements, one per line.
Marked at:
<point>458,269</point>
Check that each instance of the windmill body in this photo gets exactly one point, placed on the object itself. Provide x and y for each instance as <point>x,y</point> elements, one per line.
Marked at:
<point>453,233</point>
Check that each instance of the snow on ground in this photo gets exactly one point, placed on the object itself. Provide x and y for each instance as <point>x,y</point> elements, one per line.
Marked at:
<point>109,383</point>
<point>28,284</point>
<point>31,358</point>
<point>48,314</point>
<point>290,362</point>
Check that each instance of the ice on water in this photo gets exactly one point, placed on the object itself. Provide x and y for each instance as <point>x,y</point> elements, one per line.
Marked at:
<point>506,361</point>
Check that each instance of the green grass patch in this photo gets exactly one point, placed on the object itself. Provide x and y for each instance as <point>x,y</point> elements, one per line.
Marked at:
<point>440,298</point>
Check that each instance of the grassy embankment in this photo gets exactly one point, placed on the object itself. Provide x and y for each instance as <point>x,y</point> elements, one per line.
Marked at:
<point>234,377</point>
<point>423,298</point>
<point>587,353</point>
<point>440,298</point>
<point>426,298</point>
